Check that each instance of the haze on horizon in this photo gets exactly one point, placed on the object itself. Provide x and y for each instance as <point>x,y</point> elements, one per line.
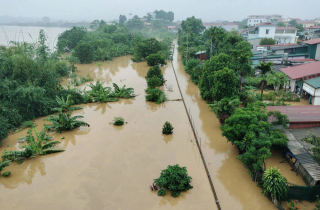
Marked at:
<point>207,10</point>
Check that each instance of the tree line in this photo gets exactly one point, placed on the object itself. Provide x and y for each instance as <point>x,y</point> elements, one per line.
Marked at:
<point>219,79</point>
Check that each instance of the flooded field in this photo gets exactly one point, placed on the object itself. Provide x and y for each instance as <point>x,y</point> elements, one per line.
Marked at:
<point>108,167</point>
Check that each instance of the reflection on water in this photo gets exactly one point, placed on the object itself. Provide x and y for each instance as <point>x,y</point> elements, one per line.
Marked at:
<point>111,167</point>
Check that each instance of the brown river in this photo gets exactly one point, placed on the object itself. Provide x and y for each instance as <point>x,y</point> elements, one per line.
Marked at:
<point>109,167</point>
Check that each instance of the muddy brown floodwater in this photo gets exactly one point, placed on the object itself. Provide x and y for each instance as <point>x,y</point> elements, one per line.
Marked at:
<point>109,167</point>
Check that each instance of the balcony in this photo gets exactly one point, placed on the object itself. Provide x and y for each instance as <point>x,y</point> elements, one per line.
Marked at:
<point>253,36</point>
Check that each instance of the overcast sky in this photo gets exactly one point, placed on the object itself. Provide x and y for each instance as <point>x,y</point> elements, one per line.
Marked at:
<point>207,10</point>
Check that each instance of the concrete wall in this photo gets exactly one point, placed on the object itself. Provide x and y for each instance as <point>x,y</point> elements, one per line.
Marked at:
<point>315,93</point>
<point>263,34</point>
<point>254,43</point>
<point>291,84</point>
<point>317,56</point>
<point>256,21</point>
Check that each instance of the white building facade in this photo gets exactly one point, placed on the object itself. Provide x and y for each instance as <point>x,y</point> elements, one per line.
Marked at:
<point>254,20</point>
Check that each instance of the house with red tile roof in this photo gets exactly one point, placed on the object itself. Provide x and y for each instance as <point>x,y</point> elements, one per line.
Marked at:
<point>297,75</point>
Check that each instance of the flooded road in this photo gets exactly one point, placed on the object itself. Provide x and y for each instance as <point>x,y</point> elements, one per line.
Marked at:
<point>109,167</point>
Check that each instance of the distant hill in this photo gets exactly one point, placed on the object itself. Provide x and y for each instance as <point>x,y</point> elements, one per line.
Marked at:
<point>10,19</point>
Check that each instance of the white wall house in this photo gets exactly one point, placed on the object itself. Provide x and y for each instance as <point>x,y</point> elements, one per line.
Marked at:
<point>282,35</point>
<point>254,20</point>
<point>286,35</point>
<point>257,21</point>
<point>312,87</point>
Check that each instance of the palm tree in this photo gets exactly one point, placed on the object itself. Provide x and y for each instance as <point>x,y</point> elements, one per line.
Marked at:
<point>265,68</point>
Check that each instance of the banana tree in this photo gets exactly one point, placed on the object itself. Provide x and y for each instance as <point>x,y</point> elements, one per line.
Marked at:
<point>36,145</point>
<point>65,104</point>
<point>123,92</point>
<point>64,121</point>
<point>104,95</point>
<point>5,164</point>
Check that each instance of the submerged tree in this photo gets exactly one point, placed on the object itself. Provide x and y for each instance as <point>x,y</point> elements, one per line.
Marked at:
<point>155,95</point>
<point>167,128</point>
<point>175,179</point>
<point>118,121</point>
<point>155,72</point>
<point>155,59</point>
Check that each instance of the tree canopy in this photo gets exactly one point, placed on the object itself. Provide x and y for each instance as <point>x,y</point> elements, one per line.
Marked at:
<point>267,41</point>
<point>122,19</point>
<point>192,25</point>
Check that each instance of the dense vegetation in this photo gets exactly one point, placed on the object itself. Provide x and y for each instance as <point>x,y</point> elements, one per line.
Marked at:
<point>220,81</point>
<point>314,140</point>
<point>105,41</point>
<point>29,83</point>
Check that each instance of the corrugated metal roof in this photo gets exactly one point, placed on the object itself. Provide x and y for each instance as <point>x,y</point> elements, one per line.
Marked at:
<point>314,82</point>
<point>287,47</point>
<point>303,60</point>
<point>198,53</point>
<point>299,71</point>
<point>298,114</point>
<point>312,41</point>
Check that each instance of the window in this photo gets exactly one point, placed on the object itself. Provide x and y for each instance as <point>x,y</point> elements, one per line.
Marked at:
<point>267,31</point>
<point>249,20</point>
<point>251,46</point>
<point>260,21</point>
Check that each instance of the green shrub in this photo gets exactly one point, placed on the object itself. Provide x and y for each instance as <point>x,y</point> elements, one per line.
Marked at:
<point>155,95</point>
<point>155,72</point>
<point>155,59</point>
<point>7,173</point>
<point>154,82</point>
<point>225,106</point>
<point>167,128</point>
<point>118,121</point>
<point>175,179</point>
<point>84,52</point>
<point>5,164</point>
<point>275,184</point>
